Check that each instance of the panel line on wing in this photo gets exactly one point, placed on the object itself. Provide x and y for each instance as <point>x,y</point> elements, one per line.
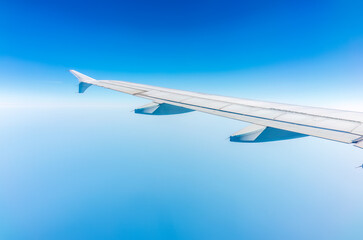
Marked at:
<point>256,112</point>
<point>252,116</point>
<point>241,102</point>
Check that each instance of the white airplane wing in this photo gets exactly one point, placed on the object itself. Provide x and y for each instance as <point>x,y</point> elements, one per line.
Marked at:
<point>270,121</point>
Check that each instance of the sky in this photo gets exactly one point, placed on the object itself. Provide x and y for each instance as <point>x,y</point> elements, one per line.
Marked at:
<point>83,166</point>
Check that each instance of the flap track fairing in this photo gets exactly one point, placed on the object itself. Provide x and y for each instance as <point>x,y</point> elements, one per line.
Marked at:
<point>256,133</point>
<point>161,109</point>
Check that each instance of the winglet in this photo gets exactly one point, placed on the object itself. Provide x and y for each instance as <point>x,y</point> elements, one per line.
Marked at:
<point>84,81</point>
<point>82,78</point>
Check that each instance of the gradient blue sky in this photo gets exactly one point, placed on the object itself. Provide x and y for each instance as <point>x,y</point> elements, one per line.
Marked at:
<point>83,167</point>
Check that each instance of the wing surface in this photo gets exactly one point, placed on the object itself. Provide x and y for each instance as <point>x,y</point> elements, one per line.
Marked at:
<point>337,125</point>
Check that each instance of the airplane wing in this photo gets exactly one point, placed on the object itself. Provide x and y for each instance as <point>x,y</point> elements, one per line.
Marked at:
<point>270,121</point>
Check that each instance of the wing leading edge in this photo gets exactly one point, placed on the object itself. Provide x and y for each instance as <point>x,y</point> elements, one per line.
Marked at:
<point>292,120</point>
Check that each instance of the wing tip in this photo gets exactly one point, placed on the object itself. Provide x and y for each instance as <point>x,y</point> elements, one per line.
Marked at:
<point>81,77</point>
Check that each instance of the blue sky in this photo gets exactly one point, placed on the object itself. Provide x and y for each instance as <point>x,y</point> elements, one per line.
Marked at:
<point>84,167</point>
<point>176,36</point>
<point>255,49</point>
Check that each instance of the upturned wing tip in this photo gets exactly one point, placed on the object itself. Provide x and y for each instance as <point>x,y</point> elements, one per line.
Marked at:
<point>81,77</point>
